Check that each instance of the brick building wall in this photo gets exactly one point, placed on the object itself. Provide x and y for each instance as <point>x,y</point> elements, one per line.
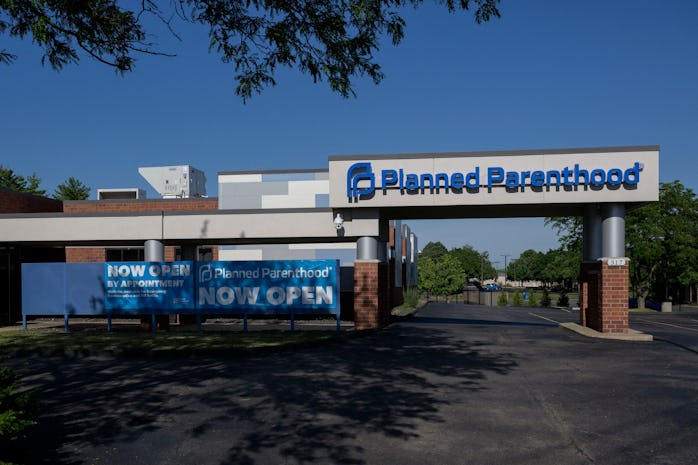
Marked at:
<point>85,254</point>
<point>19,202</point>
<point>138,206</point>
<point>96,254</point>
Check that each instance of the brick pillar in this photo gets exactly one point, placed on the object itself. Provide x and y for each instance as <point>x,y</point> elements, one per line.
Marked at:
<point>370,297</point>
<point>170,253</point>
<point>603,299</point>
<point>614,295</point>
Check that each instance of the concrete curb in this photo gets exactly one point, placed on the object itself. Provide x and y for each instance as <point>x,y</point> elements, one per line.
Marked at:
<point>631,335</point>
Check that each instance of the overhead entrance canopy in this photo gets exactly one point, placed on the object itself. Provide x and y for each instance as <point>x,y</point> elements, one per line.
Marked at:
<point>495,184</point>
<point>600,184</point>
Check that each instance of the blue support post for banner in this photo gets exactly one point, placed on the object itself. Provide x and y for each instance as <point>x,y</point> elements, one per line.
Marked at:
<point>339,303</point>
<point>109,323</point>
<point>244,322</point>
<point>24,322</point>
<point>152,322</point>
<point>293,320</point>
<point>65,323</point>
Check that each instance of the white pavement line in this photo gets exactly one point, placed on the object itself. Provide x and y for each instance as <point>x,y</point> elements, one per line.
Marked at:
<point>667,324</point>
<point>545,318</point>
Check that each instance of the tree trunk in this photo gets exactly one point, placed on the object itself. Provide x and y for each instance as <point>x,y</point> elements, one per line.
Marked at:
<point>641,302</point>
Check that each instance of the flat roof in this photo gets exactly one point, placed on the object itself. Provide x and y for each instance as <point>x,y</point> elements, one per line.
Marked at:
<point>491,153</point>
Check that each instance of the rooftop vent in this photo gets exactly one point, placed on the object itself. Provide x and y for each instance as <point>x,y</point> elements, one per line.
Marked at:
<point>175,182</point>
<point>120,194</point>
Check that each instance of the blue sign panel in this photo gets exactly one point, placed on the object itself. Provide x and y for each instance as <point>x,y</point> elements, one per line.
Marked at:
<point>130,287</point>
<point>269,286</point>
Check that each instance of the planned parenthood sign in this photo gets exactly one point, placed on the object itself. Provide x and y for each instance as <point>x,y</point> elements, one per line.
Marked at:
<point>161,286</point>
<point>225,287</point>
<point>269,286</point>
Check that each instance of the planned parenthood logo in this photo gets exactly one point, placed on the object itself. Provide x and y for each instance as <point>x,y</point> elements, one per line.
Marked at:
<point>205,273</point>
<point>360,181</point>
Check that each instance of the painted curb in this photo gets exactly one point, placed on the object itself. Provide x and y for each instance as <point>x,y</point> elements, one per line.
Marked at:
<point>631,335</point>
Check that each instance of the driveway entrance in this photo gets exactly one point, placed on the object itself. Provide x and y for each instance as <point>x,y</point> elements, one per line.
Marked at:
<point>455,385</point>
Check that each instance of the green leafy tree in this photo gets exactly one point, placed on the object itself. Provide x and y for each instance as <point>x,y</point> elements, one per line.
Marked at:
<point>561,266</point>
<point>488,270</point>
<point>433,250</point>
<point>72,189</point>
<point>569,231</point>
<point>333,40</point>
<point>529,266</point>
<point>662,243</point>
<point>15,182</point>
<point>440,276</point>
<point>473,263</point>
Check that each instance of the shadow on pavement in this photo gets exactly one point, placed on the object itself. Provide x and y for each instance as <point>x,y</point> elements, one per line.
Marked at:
<point>307,406</point>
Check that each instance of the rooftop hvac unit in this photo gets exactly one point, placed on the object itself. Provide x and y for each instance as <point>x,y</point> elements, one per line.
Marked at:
<point>173,182</point>
<point>120,194</point>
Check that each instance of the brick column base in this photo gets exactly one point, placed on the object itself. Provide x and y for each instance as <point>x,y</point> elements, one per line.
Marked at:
<point>371,309</point>
<point>603,298</point>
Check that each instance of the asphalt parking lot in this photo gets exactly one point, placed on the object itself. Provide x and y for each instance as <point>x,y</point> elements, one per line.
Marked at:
<point>456,384</point>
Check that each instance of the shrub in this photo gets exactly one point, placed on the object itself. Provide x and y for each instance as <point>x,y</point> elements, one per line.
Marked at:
<point>532,300</point>
<point>545,301</point>
<point>503,300</point>
<point>517,299</point>
<point>564,300</point>
<point>411,297</point>
<point>15,411</point>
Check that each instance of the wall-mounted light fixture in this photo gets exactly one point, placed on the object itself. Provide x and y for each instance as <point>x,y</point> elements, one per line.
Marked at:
<point>338,221</point>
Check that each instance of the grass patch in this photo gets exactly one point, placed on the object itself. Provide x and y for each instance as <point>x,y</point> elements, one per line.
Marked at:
<point>413,301</point>
<point>20,341</point>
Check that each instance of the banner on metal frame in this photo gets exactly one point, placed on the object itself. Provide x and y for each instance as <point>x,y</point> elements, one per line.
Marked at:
<point>268,286</point>
<point>162,286</point>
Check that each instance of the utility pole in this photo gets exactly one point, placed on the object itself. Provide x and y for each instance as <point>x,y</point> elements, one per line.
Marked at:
<point>505,267</point>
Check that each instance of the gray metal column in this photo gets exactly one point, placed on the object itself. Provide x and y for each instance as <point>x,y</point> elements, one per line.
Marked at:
<point>591,233</point>
<point>154,251</point>
<point>382,252</point>
<point>613,229</point>
<point>367,248</point>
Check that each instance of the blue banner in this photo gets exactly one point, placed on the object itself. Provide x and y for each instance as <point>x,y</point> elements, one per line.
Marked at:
<point>269,286</point>
<point>131,287</point>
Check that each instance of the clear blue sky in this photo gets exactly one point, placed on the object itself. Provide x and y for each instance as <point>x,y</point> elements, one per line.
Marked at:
<point>549,74</point>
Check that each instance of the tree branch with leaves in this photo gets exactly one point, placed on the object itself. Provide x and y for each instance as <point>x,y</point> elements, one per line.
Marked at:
<point>330,40</point>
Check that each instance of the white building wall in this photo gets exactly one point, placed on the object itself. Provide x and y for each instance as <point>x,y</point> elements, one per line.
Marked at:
<point>279,190</point>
